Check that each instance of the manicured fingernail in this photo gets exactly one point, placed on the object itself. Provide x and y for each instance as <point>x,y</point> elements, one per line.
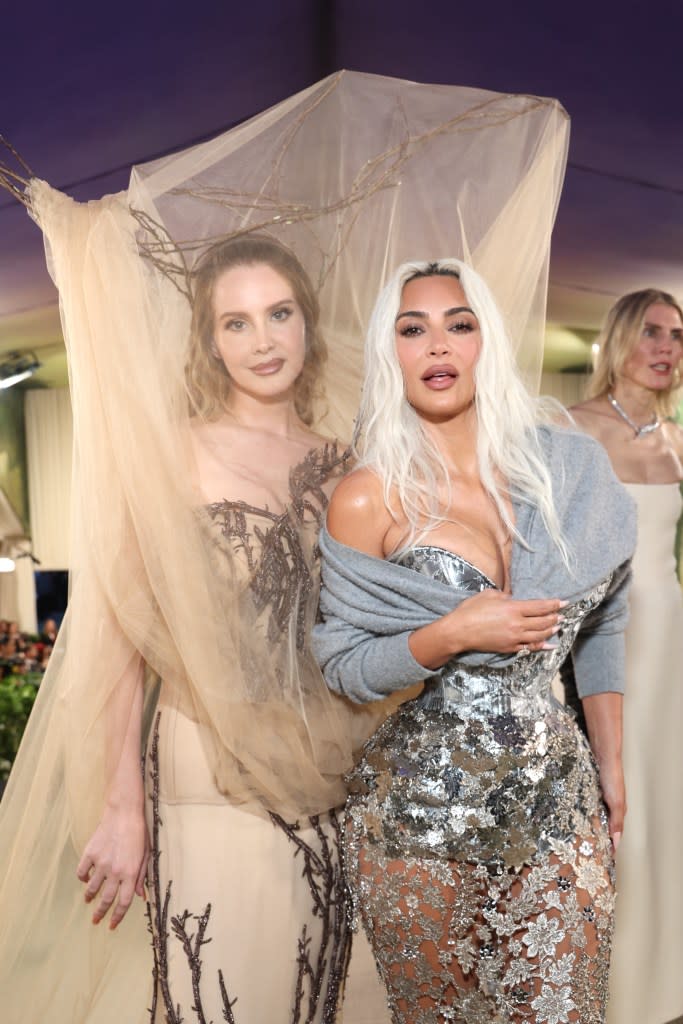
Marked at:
<point>549,647</point>
<point>563,604</point>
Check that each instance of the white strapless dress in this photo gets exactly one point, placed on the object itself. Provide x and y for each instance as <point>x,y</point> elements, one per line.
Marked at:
<point>646,983</point>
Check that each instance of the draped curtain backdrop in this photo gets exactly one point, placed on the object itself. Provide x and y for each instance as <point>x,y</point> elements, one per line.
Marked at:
<point>568,388</point>
<point>49,440</point>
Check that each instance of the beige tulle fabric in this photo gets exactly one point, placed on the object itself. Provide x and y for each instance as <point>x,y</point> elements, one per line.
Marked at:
<point>355,175</point>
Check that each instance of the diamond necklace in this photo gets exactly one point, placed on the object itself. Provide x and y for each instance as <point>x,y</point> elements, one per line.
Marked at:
<point>648,428</point>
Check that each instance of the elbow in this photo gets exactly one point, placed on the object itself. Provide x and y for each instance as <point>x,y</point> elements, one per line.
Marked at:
<point>350,687</point>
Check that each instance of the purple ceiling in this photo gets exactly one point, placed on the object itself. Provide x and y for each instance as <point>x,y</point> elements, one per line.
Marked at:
<point>83,96</point>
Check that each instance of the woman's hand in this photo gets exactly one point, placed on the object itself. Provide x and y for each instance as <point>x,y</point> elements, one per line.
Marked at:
<point>490,621</point>
<point>603,712</point>
<point>494,622</point>
<point>114,862</point>
<point>614,795</point>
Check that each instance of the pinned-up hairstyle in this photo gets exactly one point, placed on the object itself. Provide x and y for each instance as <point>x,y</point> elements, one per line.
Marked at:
<point>208,381</point>
<point>395,445</point>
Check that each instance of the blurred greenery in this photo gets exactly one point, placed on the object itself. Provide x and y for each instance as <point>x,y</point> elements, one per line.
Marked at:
<point>17,694</point>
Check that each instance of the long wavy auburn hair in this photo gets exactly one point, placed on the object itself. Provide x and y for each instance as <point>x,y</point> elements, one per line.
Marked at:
<point>207,380</point>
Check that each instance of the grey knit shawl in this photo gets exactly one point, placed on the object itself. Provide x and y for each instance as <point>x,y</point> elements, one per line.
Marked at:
<point>369,606</point>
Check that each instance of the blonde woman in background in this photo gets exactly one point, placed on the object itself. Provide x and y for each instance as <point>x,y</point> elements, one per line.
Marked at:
<point>633,394</point>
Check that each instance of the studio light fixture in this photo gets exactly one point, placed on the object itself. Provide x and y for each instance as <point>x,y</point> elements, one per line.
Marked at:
<point>12,549</point>
<point>16,366</point>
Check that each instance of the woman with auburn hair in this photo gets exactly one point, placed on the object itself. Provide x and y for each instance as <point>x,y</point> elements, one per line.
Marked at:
<point>209,382</point>
<point>217,870</point>
<point>634,392</point>
<point>474,547</point>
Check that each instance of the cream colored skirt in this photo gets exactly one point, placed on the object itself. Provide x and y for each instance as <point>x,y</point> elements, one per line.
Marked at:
<point>249,915</point>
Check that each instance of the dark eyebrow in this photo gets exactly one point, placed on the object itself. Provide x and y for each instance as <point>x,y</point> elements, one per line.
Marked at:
<point>423,316</point>
<point>412,312</point>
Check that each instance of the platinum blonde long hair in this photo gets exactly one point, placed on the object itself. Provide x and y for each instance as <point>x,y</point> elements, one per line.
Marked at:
<point>392,440</point>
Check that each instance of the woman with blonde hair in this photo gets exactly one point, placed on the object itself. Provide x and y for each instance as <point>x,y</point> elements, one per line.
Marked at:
<point>475,547</point>
<point>635,388</point>
<point>634,393</point>
<point>254,358</point>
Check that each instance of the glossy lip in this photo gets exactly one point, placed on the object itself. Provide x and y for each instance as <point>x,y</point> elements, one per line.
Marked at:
<point>272,366</point>
<point>663,371</point>
<point>440,377</point>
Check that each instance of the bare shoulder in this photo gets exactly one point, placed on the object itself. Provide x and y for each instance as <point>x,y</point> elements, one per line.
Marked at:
<point>674,434</point>
<point>591,407</point>
<point>357,515</point>
<point>358,495</point>
<point>591,416</point>
<point>207,432</point>
<point>201,436</point>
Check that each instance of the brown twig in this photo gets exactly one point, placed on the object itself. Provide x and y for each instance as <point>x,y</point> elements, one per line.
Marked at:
<point>267,209</point>
<point>11,180</point>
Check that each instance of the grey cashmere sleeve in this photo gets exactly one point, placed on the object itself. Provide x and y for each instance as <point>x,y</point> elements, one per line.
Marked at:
<point>364,666</point>
<point>599,653</point>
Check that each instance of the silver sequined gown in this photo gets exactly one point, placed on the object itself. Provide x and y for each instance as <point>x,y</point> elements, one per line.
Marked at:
<point>477,848</point>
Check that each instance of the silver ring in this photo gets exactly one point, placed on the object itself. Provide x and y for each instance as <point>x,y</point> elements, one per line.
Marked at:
<point>524,650</point>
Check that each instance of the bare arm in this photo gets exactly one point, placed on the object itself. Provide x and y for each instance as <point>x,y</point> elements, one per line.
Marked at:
<point>603,713</point>
<point>674,434</point>
<point>114,862</point>
<point>599,664</point>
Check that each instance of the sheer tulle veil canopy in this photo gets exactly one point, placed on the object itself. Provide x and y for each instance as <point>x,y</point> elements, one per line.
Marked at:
<point>354,175</point>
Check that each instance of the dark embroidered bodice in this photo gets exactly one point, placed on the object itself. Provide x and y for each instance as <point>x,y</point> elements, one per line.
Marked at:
<point>279,549</point>
<point>272,558</point>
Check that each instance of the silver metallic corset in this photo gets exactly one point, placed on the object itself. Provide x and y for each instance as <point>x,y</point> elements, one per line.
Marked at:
<point>485,765</point>
<point>519,688</point>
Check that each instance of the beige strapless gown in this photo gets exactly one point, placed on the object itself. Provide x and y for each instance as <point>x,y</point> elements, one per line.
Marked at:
<point>249,914</point>
<point>246,875</point>
<point>646,983</point>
